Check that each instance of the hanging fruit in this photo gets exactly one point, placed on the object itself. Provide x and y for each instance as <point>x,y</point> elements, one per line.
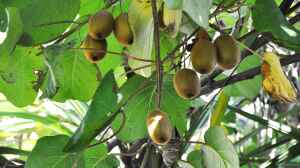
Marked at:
<point>159,127</point>
<point>228,52</point>
<point>100,25</point>
<point>122,30</point>
<point>187,84</point>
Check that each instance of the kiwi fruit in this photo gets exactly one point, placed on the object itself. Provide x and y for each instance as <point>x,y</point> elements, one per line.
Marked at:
<point>228,52</point>
<point>159,127</point>
<point>187,83</point>
<point>204,56</point>
<point>202,34</point>
<point>100,25</point>
<point>122,30</point>
<point>94,50</point>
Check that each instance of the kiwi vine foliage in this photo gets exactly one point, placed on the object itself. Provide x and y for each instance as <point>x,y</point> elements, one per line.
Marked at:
<point>56,106</point>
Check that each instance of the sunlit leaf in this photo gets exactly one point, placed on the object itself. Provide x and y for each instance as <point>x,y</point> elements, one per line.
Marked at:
<point>275,22</point>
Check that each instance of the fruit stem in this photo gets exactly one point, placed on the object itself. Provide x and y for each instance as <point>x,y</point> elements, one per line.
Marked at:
<point>159,68</point>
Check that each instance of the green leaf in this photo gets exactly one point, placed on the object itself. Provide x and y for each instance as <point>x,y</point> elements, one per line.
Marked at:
<point>216,139</point>
<point>69,72</point>
<point>141,23</point>
<point>275,22</point>
<point>50,122</point>
<point>219,110</point>
<point>96,157</point>
<point>13,33</point>
<point>195,159</point>
<point>108,162</point>
<point>90,6</point>
<point>38,17</point>
<point>247,88</point>
<point>97,116</point>
<point>140,105</point>
<point>198,11</point>
<point>48,153</point>
<point>3,18</point>
<point>17,76</point>
<point>206,158</point>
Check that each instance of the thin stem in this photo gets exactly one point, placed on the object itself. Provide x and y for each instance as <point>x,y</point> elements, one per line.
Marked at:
<point>124,54</point>
<point>159,68</point>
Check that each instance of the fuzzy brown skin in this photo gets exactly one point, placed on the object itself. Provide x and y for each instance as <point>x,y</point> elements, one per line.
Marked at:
<point>94,50</point>
<point>122,30</point>
<point>187,84</point>
<point>100,25</point>
<point>204,56</point>
<point>228,51</point>
<point>159,127</point>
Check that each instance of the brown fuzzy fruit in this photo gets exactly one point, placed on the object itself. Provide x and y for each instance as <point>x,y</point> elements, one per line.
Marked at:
<point>187,84</point>
<point>122,30</point>
<point>202,34</point>
<point>101,25</point>
<point>204,56</point>
<point>95,50</point>
<point>228,51</point>
<point>159,127</point>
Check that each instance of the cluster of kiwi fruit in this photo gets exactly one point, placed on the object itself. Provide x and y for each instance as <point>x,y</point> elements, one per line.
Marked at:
<point>205,55</point>
<point>100,25</point>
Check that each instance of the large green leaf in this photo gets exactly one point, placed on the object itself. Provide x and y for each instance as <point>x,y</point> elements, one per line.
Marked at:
<point>275,22</point>
<point>69,72</point>
<point>247,88</point>
<point>38,17</point>
<point>15,28</point>
<point>218,151</point>
<point>216,139</point>
<point>48,153</point>
<point>17,75</point>
<point>90,6</point>
<point>206,158</point>
<point>97,116</point>
<point>139,106</point>
<point>97,157</point>
<point>198,11</point>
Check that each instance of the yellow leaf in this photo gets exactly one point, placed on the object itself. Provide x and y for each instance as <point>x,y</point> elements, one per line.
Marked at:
<point>275,83</point>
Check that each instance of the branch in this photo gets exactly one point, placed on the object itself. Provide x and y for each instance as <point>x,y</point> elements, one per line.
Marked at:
<point>159,68</point>
<point>251,73</point>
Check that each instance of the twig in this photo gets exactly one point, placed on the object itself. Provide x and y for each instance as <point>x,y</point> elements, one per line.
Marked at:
<point>136,69</point>
<point>171,54</point>
<point>159,68</point>
<point>124,54</point>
